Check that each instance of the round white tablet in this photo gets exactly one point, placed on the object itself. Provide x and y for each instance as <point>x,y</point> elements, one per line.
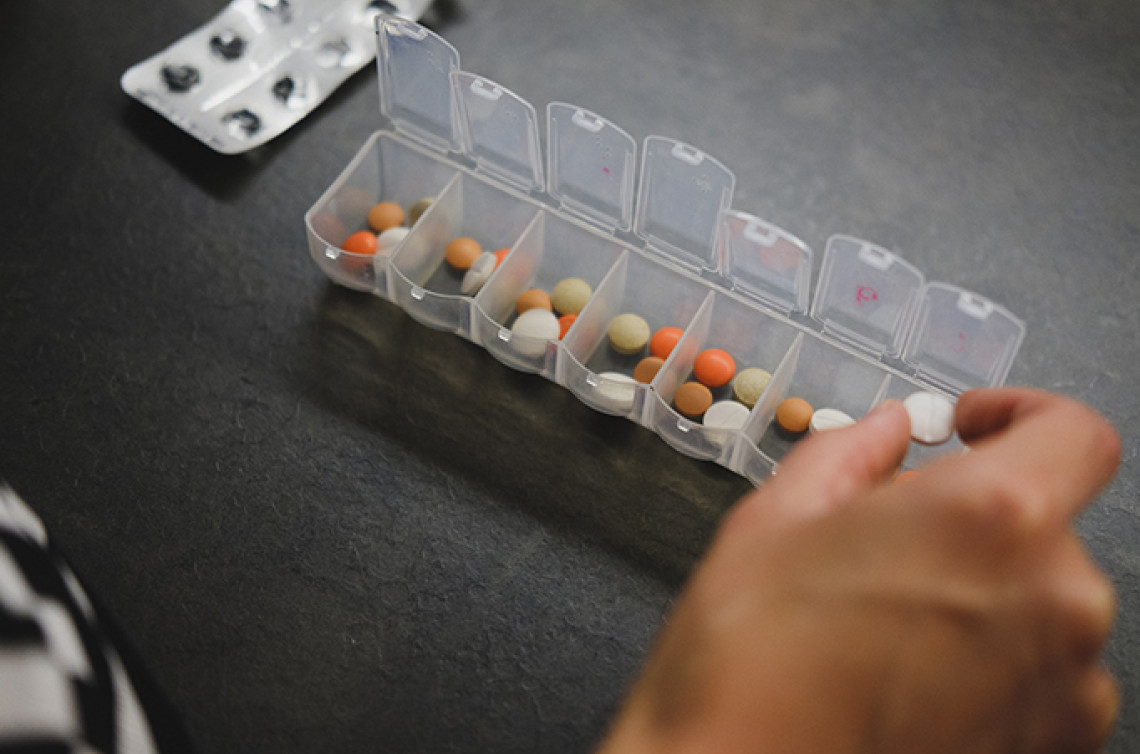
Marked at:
<point>477,274</point>
<point>537,326</point>
<point>726,415</point>
<point>828,418</point>
<point>931,417</point>
<point>617,389</point>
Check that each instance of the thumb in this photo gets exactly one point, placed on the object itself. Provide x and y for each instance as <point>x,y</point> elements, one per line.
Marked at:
<point>831,467</point>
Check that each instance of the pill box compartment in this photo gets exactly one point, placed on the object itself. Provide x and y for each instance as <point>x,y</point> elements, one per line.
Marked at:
<point>674,252</point>
<point>550,250</point>
<point>385,169</point>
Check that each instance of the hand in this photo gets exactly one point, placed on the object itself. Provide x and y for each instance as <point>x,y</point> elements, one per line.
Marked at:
<point>839,610</point>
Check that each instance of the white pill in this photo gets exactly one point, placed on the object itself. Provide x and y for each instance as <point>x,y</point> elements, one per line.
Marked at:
<point>726,415</point>
<point>477,274</point>
<point>536,326</point>
<point>931,417</point>
<point>617,389</point>
<point>391,238</point>
<point>828,418</point>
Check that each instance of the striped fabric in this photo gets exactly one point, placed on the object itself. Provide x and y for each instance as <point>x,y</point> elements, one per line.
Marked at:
<point>63,687</point>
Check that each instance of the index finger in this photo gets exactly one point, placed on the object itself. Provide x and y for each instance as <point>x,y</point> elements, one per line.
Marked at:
<point>1053,449</point>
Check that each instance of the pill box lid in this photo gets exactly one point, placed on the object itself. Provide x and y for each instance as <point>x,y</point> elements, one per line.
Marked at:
<point>681,193</point>
<point>764,261</point>
<point>499,130</point>
<point>866,295</point>
<point>415,66</point>
<point>961,340</point>
<point>591,165</point>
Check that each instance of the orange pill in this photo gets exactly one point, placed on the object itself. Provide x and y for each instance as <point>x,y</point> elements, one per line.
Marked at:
<point>714,367</point>
<point>500,255</point>
<point>535,298</point>
<point>462,253</point>
<point>360,242</point>
<point>904,475</point>
<point>794,414</point>
<point>385,215</point>
<point>648,368</point>
<point>564,323</point>
<point>664,340</point>
<point>692,399</point>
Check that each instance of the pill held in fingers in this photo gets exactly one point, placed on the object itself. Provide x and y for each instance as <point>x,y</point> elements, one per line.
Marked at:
<point>931,417</point>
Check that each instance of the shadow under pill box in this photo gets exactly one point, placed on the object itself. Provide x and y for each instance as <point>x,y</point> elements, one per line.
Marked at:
<point>670,252</point>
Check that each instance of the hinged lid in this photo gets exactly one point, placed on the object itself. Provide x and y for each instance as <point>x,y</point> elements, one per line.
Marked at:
<point>590,165</point>
<point>415,67</point>
<point>961,340</point>
<point>866,294</point>
<point>764,261</point>
<point>498,129</point>
<point>681,194</point>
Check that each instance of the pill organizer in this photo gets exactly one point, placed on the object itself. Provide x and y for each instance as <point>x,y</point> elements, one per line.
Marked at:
<point>260,66</point>
<point>655,236</point>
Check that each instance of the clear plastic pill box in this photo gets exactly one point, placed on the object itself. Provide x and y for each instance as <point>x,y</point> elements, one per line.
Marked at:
<point>654,234</point>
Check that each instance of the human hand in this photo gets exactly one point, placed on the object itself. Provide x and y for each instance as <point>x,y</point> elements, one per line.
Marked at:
<point>838,610</point>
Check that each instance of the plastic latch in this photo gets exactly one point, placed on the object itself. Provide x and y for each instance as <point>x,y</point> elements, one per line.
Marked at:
<point>415,66</point>
<point>499,130</point>
<point>866,295</point>
<point>590,165</point>
<point>681,193</point>
<point>962,340</point>
<point>764,262</point>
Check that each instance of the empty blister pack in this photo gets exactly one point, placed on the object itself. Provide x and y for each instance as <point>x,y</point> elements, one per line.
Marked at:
<point>260,66</point>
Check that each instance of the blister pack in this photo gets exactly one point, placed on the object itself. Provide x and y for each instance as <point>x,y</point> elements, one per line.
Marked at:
<point>260,66</point>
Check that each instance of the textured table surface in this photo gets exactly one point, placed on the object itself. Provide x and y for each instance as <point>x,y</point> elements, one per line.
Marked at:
<point>324,527</point>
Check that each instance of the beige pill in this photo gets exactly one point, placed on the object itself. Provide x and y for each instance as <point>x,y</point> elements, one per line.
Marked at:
<point>418,209</point>
<point>570,295</point>
<point>628,333</point>
<point>749,385</point>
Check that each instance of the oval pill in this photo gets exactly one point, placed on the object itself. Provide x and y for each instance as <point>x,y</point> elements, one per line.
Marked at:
<point>385,215</point>
<point>750,384</point>
<point>931,417</point>
<point>360,242</point>
<point>692,399</point>
<point>617,389</point>
<point>794,414</point>
<point>664,341</point>
<point>534,298</point>
<point>477,274</point>
<point>648,368</point>
<point>726,415</point>
<point>570,295</point>
<point>823,419</point>
<point>462,253</point>
<point>391,238</point>
<point>628,333</point>
<point>714,367</point>
<point>538,324</point>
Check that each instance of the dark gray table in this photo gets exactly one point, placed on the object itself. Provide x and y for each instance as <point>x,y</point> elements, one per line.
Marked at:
<point>324,527</point>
